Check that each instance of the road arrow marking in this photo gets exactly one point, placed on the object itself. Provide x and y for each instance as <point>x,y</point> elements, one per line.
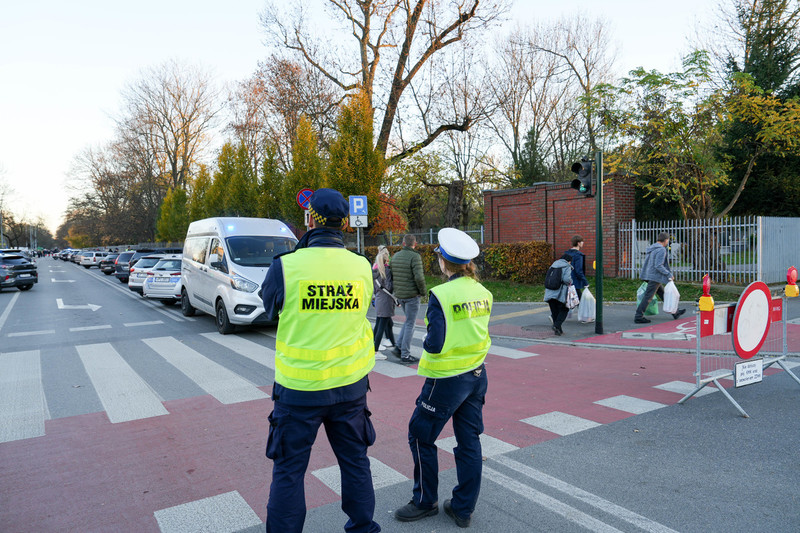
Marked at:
<point>54,280</point>
<point>61,305</point>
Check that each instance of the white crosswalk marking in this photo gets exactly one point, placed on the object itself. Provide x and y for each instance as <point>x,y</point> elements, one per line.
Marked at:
<point>382,476</point>
<point>560,423</point>
<point>629,404</point>
<point>684,388</point>
<point>224,513</point>
<point>124,394</point>
<point>23,408</point>
<point>252,350</point>
<point>218,381</point>
<point>490,446</point>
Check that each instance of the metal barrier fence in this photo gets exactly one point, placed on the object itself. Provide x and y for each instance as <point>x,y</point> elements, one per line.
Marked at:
<point>716,357</point>
<point>424,236</point>
<point>736,250</point>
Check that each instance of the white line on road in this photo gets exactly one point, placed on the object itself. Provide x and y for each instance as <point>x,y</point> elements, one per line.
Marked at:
<point>252,350</point>
<point>7,310</point>
<point>548,502</point>
<point>150,323</point>
<point>584,496</point>
<point>54,280</point>
<point>382,476</point>
<point>124,394</point>
<point>23,407</point>
<point>90,328</point>
<point>629,404</point>
<point>224,513</point>
<point>215,379</point>
<point>62,305</point>
<point>28,333</point>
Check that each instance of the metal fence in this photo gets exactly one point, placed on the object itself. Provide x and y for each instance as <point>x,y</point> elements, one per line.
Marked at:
<point>736,250</point>
<point>424,236</point>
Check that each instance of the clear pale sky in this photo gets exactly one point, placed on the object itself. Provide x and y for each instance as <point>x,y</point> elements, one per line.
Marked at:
<point>63,66</point>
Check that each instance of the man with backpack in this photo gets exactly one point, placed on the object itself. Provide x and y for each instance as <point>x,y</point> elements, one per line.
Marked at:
<point>556,284</point>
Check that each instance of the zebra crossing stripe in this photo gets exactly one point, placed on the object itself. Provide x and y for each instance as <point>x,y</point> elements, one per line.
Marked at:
<point>560,423</point>
<point>124,394</point>
<point>252,350</point>
<point>684,388</point>
<point>224,385</point>
<point>23,408</point>
<point>224,513</point>
<point>629,404</point>
<point>490,446</point>
<point>382,476</point>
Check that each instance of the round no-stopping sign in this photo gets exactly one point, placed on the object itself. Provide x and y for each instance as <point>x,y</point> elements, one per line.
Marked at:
<point>751,320</point>
<point>304,197</point>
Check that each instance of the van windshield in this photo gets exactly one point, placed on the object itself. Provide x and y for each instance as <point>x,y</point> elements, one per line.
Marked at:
<point>257,250</point>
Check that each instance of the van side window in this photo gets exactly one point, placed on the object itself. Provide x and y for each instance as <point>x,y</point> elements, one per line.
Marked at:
<point>217,248</point>
<point>196,247</point>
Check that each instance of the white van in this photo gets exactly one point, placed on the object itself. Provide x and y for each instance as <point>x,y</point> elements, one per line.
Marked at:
<point>225,260</point>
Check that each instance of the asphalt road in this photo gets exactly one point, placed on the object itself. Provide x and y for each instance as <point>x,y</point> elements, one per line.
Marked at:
<point>131,416</point>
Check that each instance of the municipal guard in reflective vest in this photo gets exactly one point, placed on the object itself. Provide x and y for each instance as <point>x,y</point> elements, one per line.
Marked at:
<point>323,353</point>
<point>452,361</point>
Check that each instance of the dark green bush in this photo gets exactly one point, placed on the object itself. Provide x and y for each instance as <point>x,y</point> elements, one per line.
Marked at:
<point>522,262</point>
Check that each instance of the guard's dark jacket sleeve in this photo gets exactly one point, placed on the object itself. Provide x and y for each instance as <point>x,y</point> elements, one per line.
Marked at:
<point>437,327</point>
<point>272,289</point>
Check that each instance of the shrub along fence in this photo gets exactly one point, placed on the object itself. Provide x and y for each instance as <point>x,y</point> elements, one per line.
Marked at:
<point>522,262</point>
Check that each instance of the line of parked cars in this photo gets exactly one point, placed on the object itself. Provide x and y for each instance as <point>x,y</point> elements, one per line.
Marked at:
<point>219,271</point>
<point>17,269</point>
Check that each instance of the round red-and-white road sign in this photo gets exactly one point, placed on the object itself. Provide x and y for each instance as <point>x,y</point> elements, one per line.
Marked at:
<point>751,320</point>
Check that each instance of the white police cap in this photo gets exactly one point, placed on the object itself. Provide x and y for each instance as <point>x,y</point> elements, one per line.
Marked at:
<point>456,246</point>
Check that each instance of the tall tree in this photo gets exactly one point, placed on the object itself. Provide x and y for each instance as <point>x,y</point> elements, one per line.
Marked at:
<point>393,40</point>
<point>355,167</point>
<point>174,219</point>
<point>197,202</point>
<point>270,184</point>
<point>307,171</point>
<point>241,199</point>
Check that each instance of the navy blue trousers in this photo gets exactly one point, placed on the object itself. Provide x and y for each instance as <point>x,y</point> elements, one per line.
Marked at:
<point>460,398</point>
<point>292,432</point>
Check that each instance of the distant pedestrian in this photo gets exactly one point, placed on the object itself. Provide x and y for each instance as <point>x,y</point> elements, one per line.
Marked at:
<point>409,286</point>
<point>384,301</point>
<point>657,273</point>
<point>557,297</point>
<point>455,384</point>
<point>578,265</point>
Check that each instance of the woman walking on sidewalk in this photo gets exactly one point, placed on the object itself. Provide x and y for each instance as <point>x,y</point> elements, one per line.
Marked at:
<point>384,301</point>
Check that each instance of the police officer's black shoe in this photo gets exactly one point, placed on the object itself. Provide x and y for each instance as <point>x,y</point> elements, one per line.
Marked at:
<point>410,512</point>
<point>460,522</point>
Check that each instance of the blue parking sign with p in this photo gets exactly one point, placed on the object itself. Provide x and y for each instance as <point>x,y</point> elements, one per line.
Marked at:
<point>358,205</point>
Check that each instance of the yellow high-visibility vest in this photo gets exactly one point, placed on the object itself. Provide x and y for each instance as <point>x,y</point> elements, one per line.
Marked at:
<point>324,339</point>
<point>466,305</point>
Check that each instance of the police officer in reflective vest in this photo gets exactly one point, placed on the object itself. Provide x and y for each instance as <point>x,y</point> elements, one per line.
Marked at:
<point>452,361</point>
<point>323,353</point>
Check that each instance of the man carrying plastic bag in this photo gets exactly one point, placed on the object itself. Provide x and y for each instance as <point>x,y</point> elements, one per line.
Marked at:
<point>656,272</point>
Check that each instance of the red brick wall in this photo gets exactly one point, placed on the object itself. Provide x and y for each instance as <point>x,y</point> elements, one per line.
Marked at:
<point>555,212</point>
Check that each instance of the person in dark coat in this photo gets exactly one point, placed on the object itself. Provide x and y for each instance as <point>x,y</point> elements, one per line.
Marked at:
<point>657,273</point>
<point>384,301</point>
<point>557,298</point>
<point>409,287</point>
<point>578,265</point>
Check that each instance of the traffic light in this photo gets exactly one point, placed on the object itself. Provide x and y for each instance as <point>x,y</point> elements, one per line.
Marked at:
<point>583,183</point>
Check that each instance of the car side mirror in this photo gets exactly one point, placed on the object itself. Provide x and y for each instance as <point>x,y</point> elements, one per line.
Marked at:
<point>219,265</point>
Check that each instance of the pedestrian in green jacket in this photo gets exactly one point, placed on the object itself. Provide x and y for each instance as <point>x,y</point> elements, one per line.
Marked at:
<point>409,286</point>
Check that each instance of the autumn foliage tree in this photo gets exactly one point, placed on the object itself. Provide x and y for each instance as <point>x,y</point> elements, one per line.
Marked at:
<point>308,171</point>
<point>174,217</point>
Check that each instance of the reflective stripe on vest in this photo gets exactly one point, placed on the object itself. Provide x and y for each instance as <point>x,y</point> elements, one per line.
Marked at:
<point>324,339</point>
<point>467,306</point>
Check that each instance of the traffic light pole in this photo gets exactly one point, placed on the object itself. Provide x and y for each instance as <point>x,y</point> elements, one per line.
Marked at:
<point>598,324</point>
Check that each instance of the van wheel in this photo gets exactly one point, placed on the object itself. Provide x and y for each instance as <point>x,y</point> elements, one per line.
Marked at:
<point>186,307</point>
<point>25,287</point>
<point>224,325</point>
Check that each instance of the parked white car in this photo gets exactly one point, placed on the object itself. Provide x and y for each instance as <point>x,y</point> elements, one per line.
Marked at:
<point>163,281</point>
<point>91,258</point>
<point>138,272</point>
<point>225,261</point>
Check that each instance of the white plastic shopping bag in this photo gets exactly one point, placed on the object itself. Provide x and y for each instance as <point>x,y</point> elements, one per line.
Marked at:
<point>572,297</point>
<point>586,310</point>
<point>671,298</point>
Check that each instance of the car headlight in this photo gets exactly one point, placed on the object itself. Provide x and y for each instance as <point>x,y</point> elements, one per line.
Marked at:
<point>243,284</point>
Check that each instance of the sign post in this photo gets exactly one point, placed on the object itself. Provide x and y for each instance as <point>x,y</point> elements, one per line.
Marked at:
<point>358,216</point>
<point>598,280</point>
